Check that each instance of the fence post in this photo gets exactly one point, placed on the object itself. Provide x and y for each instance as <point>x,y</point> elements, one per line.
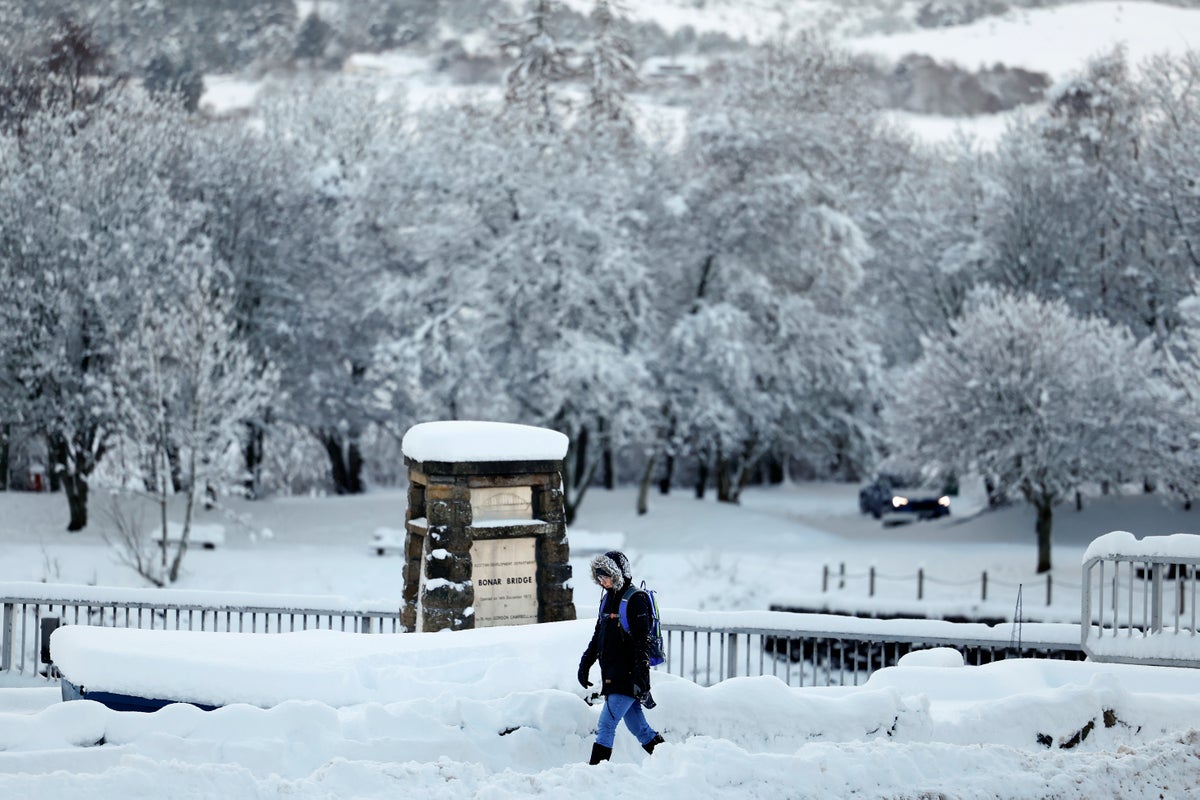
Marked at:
<point>824,578</point>
<point>1049,584</point>
<point>871,591</point>
<point>920,583</point>
<point>1156,608</point>
<point>984,597</point>
<point>6,639</point>
<point>731,667</point>
<point>842,575</point>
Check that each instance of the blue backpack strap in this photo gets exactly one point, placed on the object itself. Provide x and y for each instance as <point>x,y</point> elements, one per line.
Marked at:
<point>630,592</point>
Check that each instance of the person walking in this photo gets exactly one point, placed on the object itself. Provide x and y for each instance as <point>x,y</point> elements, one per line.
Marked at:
<point>623,657</point>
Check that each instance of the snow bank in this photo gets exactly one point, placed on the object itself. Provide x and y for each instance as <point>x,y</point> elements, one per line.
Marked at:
<point>330,667</point>
<point>496,713</point>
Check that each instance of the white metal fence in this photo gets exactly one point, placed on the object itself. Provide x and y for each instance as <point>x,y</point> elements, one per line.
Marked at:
<point>30,611</point>
<point>831,650</point>
<point>1141,608</point>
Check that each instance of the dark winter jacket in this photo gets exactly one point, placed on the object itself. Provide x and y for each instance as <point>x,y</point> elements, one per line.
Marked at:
<point>624,664</point>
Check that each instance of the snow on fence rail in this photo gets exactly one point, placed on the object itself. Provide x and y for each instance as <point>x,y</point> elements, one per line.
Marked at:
<point>1140,598</point>
<point>29,612</point>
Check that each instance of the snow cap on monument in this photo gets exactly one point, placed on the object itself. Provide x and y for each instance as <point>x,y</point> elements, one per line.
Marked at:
<point>469,440</point>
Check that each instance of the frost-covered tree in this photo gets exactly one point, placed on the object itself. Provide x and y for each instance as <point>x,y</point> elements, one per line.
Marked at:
<point>48,64</point>
<point>1075,210</point>
<point>517,284</point>
<point>188,384</point>
<point>376,25</point>
<point>612,71</point>
<point>1166,199</point>
<point>332,142</point>
<point>776,167</point>
<point>929,247</point>
<point>540,62</point>
<point>88,216</point>
<point>1035,399</point>
<point>265,224</point>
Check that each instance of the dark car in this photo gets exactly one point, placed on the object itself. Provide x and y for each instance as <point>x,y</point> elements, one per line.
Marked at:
<point>895,496</point>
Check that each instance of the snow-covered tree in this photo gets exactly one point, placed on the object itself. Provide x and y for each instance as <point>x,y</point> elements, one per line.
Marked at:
<point>611,73</point>
<point>332,144</point>
<point>88,216</point>
<point>773,213</point>
<point>1035,399</point>
<point>188,384</point>
<point>540,62</point>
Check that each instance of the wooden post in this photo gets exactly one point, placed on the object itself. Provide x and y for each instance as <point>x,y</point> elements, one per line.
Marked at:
<point>871,591</point>
<point>920,583</point>
<point>984,583</point>
<point>824,578</point>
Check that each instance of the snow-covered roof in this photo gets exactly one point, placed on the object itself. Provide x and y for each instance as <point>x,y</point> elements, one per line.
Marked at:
<point>1124,544</point>
<point>466,440</point>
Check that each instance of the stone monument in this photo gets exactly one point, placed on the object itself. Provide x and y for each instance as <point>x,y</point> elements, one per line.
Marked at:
<point>485,532</point>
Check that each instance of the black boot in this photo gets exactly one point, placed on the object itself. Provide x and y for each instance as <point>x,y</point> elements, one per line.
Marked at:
<point>600,753</point>
<point>657,740</point>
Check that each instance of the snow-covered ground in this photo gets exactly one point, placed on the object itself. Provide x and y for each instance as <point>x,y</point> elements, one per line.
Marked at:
<point>496,713</point>
<point>1056,41</point>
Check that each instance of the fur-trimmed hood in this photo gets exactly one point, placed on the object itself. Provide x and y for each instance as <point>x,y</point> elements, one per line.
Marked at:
<point>615,564</point>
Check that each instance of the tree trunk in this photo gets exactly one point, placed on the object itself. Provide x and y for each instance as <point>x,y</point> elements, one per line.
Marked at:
<point>606,455</point>
<point>176,468</point>
<point>664,483</point>
<point>73,462</point>
<point>252,455</point>
<point>724,480</point>
<point>5,434</point>
<point>643,504</point>
<point>1044,525</point>
<point>188,512</point>
<point>775,471</point>
<point>76,489</point>
<point>701,479</point>
<point>581,452</point>
<point>345,462</point>
<point>995,497</point>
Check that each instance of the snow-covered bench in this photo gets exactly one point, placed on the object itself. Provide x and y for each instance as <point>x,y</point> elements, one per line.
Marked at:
<point>387,540</point>
<point>205,536</point>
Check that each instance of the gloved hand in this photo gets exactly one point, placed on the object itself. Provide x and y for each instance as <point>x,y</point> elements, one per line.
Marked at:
<point>584,668</point>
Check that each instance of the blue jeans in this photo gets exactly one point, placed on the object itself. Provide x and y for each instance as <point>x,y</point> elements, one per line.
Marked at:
<point>619,707</point>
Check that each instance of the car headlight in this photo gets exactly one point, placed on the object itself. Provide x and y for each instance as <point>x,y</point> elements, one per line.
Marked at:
<point>899,502</point>
<point>944,501</point>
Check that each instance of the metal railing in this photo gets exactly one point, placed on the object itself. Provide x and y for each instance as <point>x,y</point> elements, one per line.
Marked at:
<point>1141,609</point>
<point>706,647</point>
<point>831,650</point>
<point>29,612</point>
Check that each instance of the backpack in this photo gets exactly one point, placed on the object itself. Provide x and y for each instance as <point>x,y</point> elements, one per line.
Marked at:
<point>654,641</point>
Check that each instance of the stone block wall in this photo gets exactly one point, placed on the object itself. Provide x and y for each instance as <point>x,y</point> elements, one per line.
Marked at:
<point>439,588</point>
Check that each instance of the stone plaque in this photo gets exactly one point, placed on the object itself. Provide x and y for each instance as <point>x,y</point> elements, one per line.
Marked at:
<point>505,575</point>
<point>509,502</point>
